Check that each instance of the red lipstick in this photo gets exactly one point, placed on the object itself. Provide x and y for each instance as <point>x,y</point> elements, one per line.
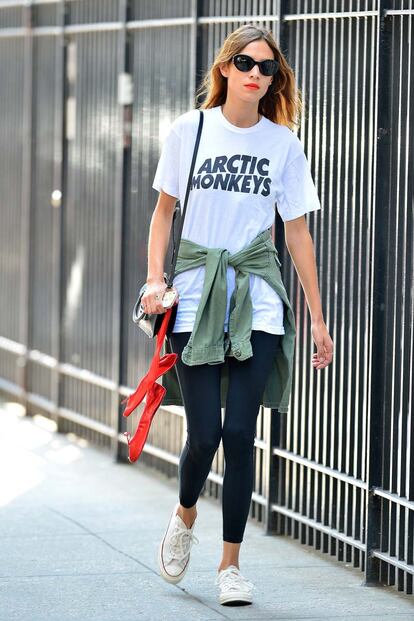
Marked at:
<point>252,85</point>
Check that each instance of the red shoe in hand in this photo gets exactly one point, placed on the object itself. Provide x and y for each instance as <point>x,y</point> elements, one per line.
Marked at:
<point>155,393</point>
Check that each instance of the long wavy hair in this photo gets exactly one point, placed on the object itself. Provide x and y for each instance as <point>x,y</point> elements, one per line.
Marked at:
<point>282,102</point>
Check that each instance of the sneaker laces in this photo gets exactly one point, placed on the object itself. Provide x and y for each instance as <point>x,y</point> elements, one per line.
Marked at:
<point>180,542</point>
<point>231,578</point>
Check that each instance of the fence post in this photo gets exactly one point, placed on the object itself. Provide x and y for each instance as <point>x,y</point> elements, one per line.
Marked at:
<point>59,168</point>
<point>271,520</point>
<point>26,206</point>
<point>119,448</point>
<point>376,407</point>
<point>196,45</point>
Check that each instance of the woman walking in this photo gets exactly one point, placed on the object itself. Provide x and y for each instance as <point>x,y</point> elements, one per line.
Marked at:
<point>233,314</point>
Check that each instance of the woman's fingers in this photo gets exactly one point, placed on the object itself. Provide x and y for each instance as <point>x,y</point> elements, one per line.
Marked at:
<point>151,300</point>
<point>152,305</point>
<point>321,364</point>
<point>324,345</point>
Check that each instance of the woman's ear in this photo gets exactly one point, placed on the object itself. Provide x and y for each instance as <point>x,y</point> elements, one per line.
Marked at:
<point>223,70</point>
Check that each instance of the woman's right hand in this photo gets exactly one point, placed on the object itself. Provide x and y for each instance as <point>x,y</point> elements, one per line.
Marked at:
<point>151,299</point>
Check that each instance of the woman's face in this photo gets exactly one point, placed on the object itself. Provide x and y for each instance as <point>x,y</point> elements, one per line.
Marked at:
<point>237,81</point>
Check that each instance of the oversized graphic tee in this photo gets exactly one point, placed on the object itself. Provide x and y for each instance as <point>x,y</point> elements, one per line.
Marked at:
<point>240,176</point>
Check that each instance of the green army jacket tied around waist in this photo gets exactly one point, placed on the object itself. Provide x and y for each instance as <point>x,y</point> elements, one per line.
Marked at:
<point>208,343</point>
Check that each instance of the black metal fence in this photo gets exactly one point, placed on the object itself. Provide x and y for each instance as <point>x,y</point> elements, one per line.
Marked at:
<point>77,157</point>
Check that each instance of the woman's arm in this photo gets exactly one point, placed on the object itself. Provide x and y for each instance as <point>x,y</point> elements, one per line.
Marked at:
<point>158,239</point>
<point>300,245</point>
<point>159,235</point>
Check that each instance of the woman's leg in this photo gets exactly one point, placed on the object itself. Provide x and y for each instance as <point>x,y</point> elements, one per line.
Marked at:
<point>247,380</point>
<point>200,389</point>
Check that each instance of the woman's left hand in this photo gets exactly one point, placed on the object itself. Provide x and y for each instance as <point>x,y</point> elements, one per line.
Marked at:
<point>324,344</point>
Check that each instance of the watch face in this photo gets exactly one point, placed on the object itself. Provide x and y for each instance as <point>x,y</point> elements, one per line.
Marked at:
<point>168,298</point>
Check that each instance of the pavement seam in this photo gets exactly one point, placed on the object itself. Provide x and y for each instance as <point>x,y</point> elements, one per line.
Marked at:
<point>91,532</point>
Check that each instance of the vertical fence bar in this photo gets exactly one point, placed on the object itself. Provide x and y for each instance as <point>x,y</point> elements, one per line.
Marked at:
<point>272,518</point>
<point>194,56</point>
<point>27,148</point>
<point>197,47</point>
<point>66,90</point>
<point>375,426</point>
<point>58,184</point>
<point>124,113</point>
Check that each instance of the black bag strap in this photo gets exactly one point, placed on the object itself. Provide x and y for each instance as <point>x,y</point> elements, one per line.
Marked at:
<point>177,208</point>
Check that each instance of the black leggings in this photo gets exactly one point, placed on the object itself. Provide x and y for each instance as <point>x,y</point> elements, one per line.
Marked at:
<point>200,389</point>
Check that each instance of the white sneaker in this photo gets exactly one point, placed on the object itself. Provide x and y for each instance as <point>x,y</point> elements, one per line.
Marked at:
<point>174,550</point>
<point>234,588</point>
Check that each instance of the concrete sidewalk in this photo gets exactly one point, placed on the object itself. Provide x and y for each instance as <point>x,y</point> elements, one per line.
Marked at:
<point>80,535</point>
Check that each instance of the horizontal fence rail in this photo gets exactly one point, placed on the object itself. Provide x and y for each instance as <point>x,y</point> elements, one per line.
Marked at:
<point>76,167</point>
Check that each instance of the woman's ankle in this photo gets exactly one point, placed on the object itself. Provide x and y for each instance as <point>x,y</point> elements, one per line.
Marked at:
<point>188,515</point>
<point>225,565</point>
<point>230,556</point>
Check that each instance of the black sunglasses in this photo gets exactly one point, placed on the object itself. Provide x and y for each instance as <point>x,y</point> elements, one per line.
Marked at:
<point>244,63</point>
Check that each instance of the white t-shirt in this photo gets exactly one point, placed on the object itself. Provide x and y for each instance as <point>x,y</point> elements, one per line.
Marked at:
<point>239,175</point>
